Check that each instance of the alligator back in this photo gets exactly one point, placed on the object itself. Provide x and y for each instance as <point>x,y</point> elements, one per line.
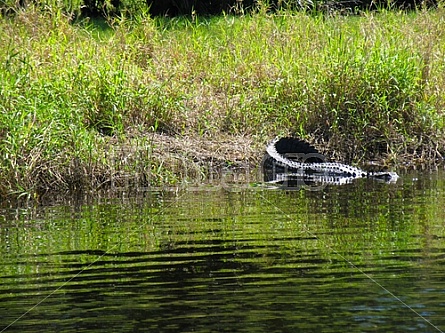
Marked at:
<point>293,146</point>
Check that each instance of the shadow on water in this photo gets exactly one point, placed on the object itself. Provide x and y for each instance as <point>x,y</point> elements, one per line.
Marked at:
<point>253,260</point>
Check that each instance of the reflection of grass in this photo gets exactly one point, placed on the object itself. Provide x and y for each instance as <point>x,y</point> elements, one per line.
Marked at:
<point>80,102</point>
<point>264,228</point>
<point>214,247</point>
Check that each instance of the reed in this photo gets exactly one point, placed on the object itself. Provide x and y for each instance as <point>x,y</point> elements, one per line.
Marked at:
<point>88,105</point>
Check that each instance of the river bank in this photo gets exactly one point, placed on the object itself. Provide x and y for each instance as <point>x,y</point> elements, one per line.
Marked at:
<point>157,101</point>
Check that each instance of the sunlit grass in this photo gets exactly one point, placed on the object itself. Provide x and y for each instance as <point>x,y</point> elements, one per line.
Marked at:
<point>80,101</point>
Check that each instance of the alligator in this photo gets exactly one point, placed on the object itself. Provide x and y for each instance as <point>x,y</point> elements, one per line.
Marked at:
<point>292,158</point>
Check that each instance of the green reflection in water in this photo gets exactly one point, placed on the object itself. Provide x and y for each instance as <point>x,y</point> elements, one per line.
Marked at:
<point>253,260</point>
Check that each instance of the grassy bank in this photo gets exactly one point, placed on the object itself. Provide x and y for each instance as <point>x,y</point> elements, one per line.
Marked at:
<point>153,101</point>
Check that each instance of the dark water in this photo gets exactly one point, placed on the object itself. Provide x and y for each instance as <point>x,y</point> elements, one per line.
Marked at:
<point>362,257</point>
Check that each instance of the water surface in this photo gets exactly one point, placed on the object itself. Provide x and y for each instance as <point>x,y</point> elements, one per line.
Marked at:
<point>362,257</point>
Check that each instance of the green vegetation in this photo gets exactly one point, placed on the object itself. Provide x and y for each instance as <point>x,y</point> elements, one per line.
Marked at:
<point>142,101</point>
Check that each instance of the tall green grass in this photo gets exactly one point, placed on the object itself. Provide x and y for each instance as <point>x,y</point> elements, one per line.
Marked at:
<point>79,102</point>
